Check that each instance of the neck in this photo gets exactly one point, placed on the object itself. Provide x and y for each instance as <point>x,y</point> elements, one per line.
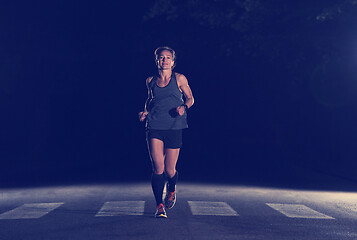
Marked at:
<point>165,73</point>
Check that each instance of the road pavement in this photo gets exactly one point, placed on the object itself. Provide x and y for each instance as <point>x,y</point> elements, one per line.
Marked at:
<point>202,211</point>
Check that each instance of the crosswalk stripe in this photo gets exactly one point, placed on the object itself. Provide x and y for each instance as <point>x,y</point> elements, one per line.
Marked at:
<point>118,208</point>
<point>297,211</point>
<point>30,210</point>
<point>211,208</point>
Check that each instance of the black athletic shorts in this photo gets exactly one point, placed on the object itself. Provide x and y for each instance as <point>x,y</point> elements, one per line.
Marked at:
<point>171,138</point>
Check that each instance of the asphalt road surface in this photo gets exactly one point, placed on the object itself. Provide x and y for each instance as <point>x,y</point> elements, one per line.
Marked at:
<point>125,211</point>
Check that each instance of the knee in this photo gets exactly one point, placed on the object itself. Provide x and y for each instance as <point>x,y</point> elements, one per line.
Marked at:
<point>170,172</point>
<point>158,168</point>
<point>158,172</point>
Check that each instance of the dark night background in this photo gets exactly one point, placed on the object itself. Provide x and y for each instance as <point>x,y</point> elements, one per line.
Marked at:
<point>274,81</point>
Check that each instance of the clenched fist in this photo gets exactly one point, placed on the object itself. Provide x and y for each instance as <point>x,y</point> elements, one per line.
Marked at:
<point>142,115</point>
<point>180,110</point>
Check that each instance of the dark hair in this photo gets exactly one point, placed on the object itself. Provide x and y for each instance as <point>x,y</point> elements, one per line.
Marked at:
<point>160,49</point>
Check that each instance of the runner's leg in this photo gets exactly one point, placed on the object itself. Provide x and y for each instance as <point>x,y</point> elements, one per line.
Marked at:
<point>171,157</point>
<point>156,150</point>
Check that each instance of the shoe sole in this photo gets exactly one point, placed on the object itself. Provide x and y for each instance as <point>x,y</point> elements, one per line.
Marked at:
<point>164,193</point>
<point>161,216</point>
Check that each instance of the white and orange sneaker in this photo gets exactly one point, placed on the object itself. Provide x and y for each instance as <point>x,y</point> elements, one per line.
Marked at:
<point>170,199</point>
<point>160,211</point>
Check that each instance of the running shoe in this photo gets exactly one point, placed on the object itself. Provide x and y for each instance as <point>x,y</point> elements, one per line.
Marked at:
<point>170,199</point>
<point>160,211</point>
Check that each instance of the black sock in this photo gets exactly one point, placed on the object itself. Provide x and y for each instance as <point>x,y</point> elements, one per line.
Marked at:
<point>158,183</point>
<point>172,182</point>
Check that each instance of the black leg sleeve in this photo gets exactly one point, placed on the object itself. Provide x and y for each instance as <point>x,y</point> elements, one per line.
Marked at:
<point>158,183</point>
<point>172,182</point>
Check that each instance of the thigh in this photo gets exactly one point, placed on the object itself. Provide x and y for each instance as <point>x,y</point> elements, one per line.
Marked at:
<point>171,157</point>
<point>156,151</point>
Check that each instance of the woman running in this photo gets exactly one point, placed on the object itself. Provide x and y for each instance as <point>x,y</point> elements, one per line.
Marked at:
<point>165,113</point>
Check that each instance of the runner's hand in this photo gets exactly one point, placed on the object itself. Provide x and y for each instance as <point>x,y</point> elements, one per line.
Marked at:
<point>142,115</point>
<point>180,110</point>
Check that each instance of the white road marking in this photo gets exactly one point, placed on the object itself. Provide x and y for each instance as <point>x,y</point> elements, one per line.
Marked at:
<point>211,208</point>
<point>119,208</point>
<point>30,210</point>
<point>297,211</point>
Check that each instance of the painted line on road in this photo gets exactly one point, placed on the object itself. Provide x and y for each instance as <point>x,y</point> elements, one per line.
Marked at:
<point>211,208</point>
<point>297,211</point>
<point>30,210</point>
<point>118,208</point>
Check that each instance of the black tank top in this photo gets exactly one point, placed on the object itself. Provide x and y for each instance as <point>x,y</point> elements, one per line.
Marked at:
<point>162,107</point>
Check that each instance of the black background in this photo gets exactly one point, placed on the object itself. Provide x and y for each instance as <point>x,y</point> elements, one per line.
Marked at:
<point>275,90</point>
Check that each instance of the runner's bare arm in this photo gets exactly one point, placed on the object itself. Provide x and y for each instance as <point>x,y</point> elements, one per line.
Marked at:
<point>142,115</point>
<point>185,88</point>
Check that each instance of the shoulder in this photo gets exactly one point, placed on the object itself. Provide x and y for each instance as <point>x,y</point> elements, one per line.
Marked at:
<point>180,78</point>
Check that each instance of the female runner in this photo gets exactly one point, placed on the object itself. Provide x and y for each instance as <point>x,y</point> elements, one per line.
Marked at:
<point>165,113</point>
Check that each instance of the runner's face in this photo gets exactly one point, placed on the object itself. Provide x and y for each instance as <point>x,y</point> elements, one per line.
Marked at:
<point>165,60</point>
